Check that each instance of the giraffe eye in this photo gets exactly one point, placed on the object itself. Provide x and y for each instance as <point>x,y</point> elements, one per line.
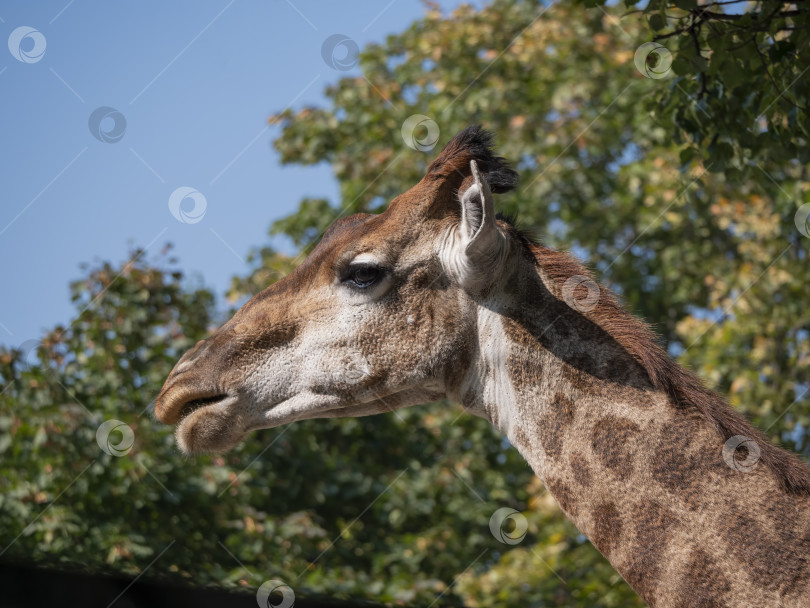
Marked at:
<point>363,275</point>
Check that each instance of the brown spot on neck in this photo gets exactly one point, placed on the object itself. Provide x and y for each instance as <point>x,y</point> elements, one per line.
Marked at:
<point>703,584</point>
<point>563,495</point>
<point>653,526</point>
<point>552,422</point>
<point>607,528</point>
<point>613,440</point>
<point>580,469</point>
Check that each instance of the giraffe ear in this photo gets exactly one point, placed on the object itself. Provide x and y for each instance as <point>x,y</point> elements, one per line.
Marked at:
<point>478,216</point>
<point>471,258</point>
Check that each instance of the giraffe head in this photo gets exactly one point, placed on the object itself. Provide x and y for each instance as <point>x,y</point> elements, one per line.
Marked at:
<point>378,317</point>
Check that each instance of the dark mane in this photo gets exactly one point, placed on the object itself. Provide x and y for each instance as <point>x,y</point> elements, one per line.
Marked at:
<point>683,387</point>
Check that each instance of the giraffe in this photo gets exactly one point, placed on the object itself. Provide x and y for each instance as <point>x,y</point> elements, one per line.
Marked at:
<point>438,298</point>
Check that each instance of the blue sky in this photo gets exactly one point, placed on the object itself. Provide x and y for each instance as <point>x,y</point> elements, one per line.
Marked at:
<point>195,82</point>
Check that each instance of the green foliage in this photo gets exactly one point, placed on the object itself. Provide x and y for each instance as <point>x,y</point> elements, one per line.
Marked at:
<point>305,511</point>
<point>648,178</point>
<point>719,50</point>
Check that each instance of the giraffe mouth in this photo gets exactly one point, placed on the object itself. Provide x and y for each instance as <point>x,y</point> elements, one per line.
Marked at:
<point>216,424</point>
<point>177,403</point>
<point>195,404</point>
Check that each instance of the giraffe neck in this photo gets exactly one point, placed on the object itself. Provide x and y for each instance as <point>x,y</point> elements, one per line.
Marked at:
<point>643,479</point>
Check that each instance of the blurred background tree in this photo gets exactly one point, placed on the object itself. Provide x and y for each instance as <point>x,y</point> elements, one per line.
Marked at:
<point>682,191</point>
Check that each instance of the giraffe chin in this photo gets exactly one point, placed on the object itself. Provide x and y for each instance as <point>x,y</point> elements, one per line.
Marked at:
<point>213,429</point>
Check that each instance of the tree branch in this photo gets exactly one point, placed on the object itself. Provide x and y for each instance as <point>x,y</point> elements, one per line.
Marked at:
<point>733,17</point>
<point>693,32</point>
<point>670,35</point>
<point>782,93</point>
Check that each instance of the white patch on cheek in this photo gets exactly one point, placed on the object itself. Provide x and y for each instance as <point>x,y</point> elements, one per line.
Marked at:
<point>323,370</point>
<point>320,357</point>
<point>338,367</point>
<point>276,378</point>
<point>283,373</point>
<point>346,365</point>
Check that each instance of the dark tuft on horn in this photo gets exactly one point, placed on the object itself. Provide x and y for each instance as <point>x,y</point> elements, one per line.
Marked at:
<point>474,143</point>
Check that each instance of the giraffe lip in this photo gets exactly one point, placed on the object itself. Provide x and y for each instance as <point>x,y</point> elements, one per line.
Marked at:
<point>208,424</point>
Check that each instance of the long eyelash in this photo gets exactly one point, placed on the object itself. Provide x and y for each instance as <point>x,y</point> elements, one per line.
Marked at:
<point>354,268</point>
